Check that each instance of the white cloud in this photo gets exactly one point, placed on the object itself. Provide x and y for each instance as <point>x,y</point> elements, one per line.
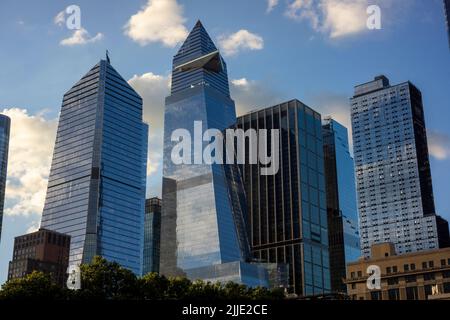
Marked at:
<point>80,37</point>
<point>240,40</point>
<point>33,226</point>
<point>271,4</point>
<point>252,94</point>
<point>59,19</point>
<point>158,21</point>
<point>153,89</point>
<point>335,18</point>
<point>439,145</point>
<point>30,152</point>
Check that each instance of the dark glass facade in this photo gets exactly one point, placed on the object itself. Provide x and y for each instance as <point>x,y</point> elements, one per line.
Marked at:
<point>152,235</point>
<point>44,250</point>
<point>395,194</point>
<point>343,231</point>
<point>287,217</point>
<point>202,226</point>
<point>5,124</point>
<point>96,187</point>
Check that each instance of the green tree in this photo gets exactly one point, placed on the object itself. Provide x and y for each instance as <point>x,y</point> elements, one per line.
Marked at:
<point>178,288</point>
<point>205,290</point>
<point>152,286</point>
<point>37,285</point>
<point>107,280</point>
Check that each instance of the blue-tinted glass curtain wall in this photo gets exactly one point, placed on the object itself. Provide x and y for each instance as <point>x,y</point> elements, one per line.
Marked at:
<point>96,188</point>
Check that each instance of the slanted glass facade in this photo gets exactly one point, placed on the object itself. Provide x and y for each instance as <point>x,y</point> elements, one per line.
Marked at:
<point>287,214</point>
<point>202,229</point>
<point>96,188</point>
<point>343,231</point>
<point>152,235</point>
<point>5,124</point>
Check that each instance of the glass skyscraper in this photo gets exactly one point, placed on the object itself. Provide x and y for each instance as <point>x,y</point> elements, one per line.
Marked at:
<point>287,217</point>
<point>5,124</point>
<point>202,226</point>
<point>395,194</point>
<point>343,230</point>
<point>96,187</point>
<point>152,235</point>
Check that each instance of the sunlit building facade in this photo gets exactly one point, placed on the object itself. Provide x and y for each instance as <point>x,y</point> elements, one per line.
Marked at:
<point>96,187</point>
<point>395,193</point>
<point>203,233</point>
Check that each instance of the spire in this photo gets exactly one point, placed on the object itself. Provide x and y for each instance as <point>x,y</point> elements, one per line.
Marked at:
<point>197,43</point>
<point>107,56</point>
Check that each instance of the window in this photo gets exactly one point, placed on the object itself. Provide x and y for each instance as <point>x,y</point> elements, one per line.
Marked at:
<point>406,267</point>
<point>352,275</point>
<point>431,264</point>
<point>412,266</point>
<point>375,295</point>
<point>428,276</point>
<point>388,270</point>
<point>424,265</point>
<point>359,274</point>
<point>392,281</point>
<point>442,262</point>
<point>410,279</point>
<point>394,294</point>
<point>446,274</point>
<point>394,269</point>
<point>428,290</point>
<point>353,286</point>
<point>411,293</point>
<point>446,287</point>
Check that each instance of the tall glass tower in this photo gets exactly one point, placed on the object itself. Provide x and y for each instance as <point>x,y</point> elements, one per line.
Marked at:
<point>343,231</point>
<point>96,187</point>
<point>202,226</point>
<point>5,123</point>
<point>287,214</point>
<point>395,193</point>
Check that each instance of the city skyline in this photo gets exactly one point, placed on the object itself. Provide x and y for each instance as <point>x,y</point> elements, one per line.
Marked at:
<point>242,80</point>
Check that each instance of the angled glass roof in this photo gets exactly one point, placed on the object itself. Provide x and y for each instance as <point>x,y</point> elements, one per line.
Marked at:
<point>211,61</point>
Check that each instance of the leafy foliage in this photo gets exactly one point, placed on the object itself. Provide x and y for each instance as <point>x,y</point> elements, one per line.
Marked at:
<point>104,280</point>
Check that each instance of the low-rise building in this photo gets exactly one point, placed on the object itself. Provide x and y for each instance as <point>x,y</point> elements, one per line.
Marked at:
<point>413,276</point>
<point>43,250</point>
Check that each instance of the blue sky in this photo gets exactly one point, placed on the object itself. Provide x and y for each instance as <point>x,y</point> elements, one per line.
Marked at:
<point>315,51</point>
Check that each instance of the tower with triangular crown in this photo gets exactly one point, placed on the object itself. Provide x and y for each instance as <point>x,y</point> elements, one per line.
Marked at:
<point>203,233</point>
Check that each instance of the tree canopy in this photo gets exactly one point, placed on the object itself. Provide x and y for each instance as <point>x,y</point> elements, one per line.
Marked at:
<point>107,280</point>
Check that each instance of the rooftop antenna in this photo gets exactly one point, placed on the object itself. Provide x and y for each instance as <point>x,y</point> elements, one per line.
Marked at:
<point>107,56</point>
